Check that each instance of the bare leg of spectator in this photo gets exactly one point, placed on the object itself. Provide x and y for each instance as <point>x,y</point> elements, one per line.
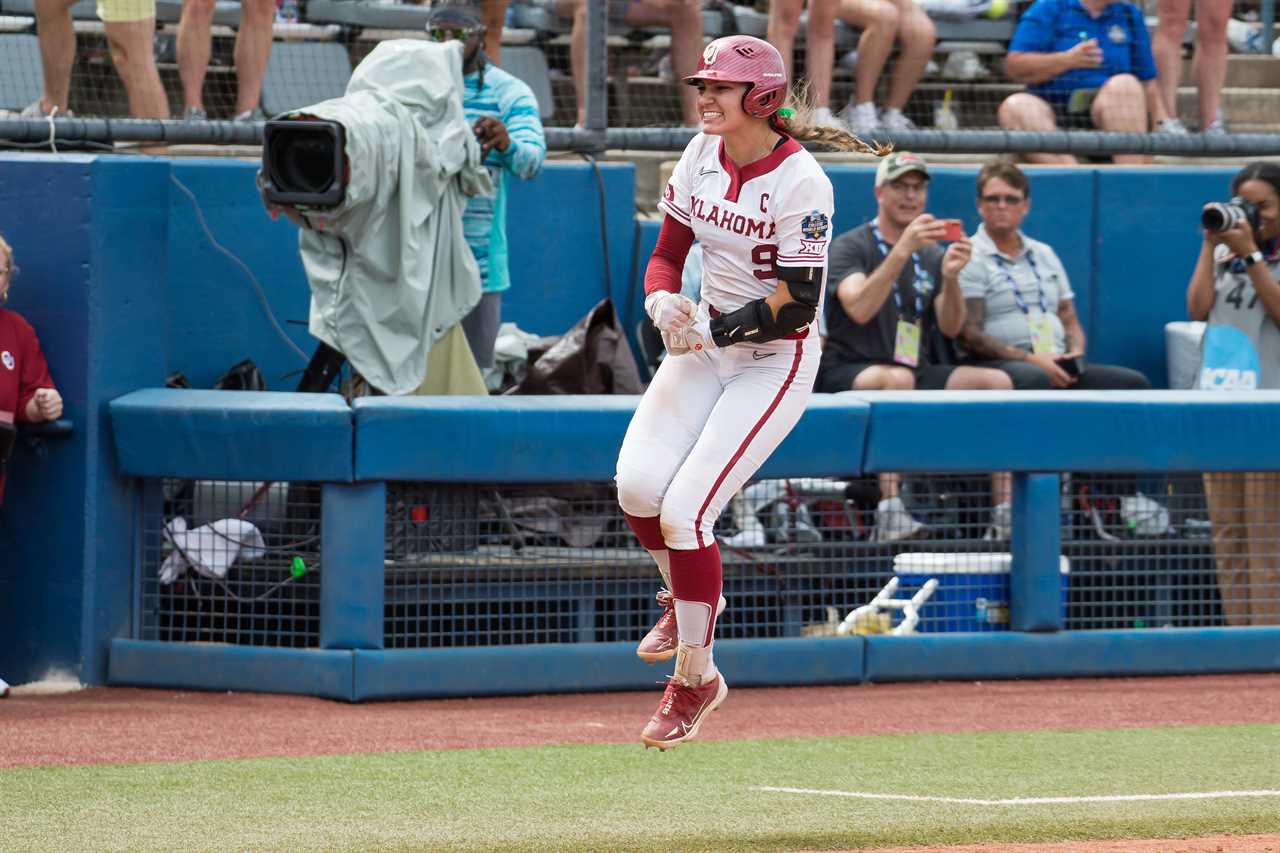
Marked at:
<point>134,56</point>
<point>784,22</point>
<point>253,49</point>
<point>194,46</point>
<point>1166,47</point>
<point>968,378</point>
<point>1121,106</point>
<point>1022,111</point>
<point>893,521</point>
<point>1210,62</point>
<point>878,20</point>
<point>1262,503</point>
<point>577,52</point>
<point>684,18</point>
<point>916,38</point>
<point>1224,494</point>
<point>820,52</point>
<point>57,51</point>
<point>493,14</point>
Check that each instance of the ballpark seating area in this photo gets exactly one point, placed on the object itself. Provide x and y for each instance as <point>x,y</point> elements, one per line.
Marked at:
<point>313,57</point>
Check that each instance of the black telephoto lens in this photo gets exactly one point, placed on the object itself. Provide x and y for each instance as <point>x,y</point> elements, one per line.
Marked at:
<point>304,163</point>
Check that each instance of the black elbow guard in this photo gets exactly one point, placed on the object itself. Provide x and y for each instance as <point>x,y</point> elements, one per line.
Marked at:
<point>804,283</point>
<point>754,323</point>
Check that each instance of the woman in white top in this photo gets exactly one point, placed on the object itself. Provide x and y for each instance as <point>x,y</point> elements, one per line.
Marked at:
<point>1235,284</point>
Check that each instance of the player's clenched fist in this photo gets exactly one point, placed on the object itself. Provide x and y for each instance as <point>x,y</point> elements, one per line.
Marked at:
<point>669,311</point>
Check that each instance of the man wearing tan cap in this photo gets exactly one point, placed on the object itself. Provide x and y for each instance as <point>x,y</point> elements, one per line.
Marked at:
<point>888,283</point>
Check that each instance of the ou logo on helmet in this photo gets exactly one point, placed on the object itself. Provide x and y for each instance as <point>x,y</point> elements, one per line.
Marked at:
<point>7,358</point>
<point>709,55</point>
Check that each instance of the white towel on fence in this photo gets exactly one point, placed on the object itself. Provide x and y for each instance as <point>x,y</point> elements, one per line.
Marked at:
<point>209,549</point>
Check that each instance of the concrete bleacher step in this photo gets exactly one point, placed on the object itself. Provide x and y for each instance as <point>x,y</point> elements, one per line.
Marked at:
<point>1245,71</point>
<point>1246,109</point>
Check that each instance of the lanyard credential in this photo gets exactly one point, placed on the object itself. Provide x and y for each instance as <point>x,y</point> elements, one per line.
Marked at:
<point>1017,296</point>
<point>918,270</point>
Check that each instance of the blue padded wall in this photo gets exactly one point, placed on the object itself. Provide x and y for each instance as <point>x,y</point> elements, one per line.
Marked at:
<point>92,285</point>
<point>1148,225</point>
<point>557,258</point>
<point>216,317</point>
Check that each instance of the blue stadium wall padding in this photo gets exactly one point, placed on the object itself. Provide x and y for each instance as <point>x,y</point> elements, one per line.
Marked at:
<point>89,234</point>
<point>1035,579</point>
<point>352,551</point>
<point>216,317</point>
<point>557,257</point>
<point>560,438</point>
<point>233,435</point>
<point>1147,221</point>
<point>502,670</point>
<point>213,666</point>
<point>1170,651</point>
<point>490,439</point>
<point>1070,431</point>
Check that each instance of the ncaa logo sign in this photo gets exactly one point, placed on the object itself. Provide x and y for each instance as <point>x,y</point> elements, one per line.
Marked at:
<point>7,358</point>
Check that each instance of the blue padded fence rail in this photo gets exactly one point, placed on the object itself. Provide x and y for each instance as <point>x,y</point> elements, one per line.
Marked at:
<point>560,439</point>
<point>248,435</point>
<point>516,440</point>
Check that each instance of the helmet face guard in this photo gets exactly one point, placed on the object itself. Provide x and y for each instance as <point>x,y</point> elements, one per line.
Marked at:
<point>749,60</point>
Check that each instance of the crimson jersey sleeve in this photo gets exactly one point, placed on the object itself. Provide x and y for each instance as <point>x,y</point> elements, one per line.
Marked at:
<point>675,197</point>
<point>34,370</point>
<point>803,213</point>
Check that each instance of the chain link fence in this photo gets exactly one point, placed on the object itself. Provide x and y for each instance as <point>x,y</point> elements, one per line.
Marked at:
<point>488,565</point>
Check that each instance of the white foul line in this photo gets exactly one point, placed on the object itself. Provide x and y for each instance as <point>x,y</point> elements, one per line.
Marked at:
<point>1022,801</point>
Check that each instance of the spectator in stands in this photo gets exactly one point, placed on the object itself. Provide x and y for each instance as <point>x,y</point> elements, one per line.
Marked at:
<point>881,21</point>
<point>1209,65</point>
<point>888,282</point>
<point>493,14</point>
<point>1087,64</point>
<point>130,26</point>
<point>504,113</point>
<point>1020,310</point>
<point>683,17</point>
<point>1235,284</point>
<point>27,392</point>
<point>253,49</point>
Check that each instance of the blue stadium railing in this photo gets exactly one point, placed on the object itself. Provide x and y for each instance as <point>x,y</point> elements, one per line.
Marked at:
<point>190,434</point>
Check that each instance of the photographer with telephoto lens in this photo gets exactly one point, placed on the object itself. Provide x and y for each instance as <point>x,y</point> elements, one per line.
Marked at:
<point>1234,287</point>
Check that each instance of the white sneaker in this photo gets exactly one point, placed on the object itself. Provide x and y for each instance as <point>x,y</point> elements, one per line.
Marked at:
<point>894,121</point>
<point>4,688</point>
<point>861,118</point>
<point>1215,128</point>
<point>823,117</point>
<point>894,522</point>
<point>1001,529</point>
<point>1172,125</point>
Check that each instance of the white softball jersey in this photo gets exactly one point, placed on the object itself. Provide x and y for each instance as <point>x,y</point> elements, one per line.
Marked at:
<point>710,419</point>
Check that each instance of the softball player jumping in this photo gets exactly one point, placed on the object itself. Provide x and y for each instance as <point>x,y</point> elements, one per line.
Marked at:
<point>742,362</point>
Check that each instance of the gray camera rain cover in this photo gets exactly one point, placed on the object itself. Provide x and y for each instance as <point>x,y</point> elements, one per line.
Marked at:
<point>389,269</point>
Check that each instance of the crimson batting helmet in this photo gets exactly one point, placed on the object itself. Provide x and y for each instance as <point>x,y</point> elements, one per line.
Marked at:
<point>746,59</point>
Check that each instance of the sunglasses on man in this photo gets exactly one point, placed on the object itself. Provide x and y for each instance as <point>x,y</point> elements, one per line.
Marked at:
<point>443,34</point>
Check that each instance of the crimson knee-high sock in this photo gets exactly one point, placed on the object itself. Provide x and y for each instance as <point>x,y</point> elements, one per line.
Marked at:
<point>649,532</point>
<point>696,575</point>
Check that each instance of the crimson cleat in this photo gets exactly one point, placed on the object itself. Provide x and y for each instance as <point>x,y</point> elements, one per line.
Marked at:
<point>662,640</point>
<point>682,710</point>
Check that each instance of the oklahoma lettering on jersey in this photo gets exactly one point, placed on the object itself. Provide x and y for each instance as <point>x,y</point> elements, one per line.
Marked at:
<point>775,212</point>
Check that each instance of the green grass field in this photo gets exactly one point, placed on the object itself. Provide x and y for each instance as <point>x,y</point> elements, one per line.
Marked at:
<point>702,796</point>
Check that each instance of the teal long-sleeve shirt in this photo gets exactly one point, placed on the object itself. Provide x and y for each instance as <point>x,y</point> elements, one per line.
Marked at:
<point>484,221</point>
